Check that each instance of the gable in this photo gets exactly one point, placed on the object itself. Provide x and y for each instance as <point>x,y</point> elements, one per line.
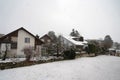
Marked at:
<point>15,34</point>
<point>74,42</point>
<point>46,38</point>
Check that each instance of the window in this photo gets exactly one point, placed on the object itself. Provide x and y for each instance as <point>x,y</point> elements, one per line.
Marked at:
<point>14,45</point>
<point>27,40</point>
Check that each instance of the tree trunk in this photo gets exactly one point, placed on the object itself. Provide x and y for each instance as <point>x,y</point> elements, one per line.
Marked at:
<point>4,56</point>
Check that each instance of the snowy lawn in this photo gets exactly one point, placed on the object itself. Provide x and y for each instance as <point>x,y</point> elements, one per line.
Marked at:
<point>32,59</point>
<point>87,68</point>
<point>12,60</point>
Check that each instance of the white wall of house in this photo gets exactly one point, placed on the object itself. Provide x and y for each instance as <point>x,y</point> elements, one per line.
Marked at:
<point>21,42</point>
<point>13,53</point>
<point>66,42</point>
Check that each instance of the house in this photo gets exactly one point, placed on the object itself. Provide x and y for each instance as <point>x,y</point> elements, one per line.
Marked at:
<point>17,40</point>
<point>76,42</point>
<point>46,39</point>
<point>47,46</point>
<point>115,49</point>
<point>1,35</point>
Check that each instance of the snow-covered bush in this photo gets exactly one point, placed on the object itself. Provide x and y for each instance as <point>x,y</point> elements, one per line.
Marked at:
<point>28,51</point>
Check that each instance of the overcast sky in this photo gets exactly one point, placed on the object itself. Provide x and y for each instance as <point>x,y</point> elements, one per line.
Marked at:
<point>92,18</point>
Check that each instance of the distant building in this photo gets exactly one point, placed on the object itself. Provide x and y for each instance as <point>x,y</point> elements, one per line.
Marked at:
<point>115,49</point>
<point>46,39</point>
<point>116,45</point>
<point>47,46</point>
<point>1,35</point>
<point>76,42</point>
<point>17,40</point>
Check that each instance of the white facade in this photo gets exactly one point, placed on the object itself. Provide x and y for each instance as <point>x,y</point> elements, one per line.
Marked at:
<point>21,42</point>
<point>18,42</point>
<point>68,42</point>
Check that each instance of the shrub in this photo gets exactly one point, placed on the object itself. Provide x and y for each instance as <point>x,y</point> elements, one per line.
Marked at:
<point>28,51</point>
<point>69,54</point>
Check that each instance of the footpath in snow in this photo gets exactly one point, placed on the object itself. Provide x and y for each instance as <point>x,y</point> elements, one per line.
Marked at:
<point>87,68</point>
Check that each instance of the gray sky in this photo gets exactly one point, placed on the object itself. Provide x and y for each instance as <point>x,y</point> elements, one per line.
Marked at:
<point>92,18</point>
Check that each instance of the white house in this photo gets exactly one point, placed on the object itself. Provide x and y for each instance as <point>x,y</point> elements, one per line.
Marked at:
<point>77,42</point>
<point>17,40</point>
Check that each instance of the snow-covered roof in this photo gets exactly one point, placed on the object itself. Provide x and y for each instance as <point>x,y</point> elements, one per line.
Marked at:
<point>111,49</point>
<point>75,42</point>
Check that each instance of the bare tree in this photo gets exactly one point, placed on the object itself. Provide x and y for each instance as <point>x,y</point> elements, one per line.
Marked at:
<point>28,51</point>
<point>108,42</point>
<point>6,51</point>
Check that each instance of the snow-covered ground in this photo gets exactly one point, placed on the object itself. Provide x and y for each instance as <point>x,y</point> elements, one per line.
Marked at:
<point>87,68</point>
<point>12,60</point>
<point>32,59</point>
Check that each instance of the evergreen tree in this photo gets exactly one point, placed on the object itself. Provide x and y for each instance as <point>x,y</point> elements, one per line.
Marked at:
<point>72,33</point>
<point>108,42</point>
<point>37,35</point>
<point>52,36</point>
<point>75,33</point>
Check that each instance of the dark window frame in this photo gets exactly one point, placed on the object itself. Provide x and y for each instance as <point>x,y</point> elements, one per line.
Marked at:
<point>27,40</point>
<point>14,45</point>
